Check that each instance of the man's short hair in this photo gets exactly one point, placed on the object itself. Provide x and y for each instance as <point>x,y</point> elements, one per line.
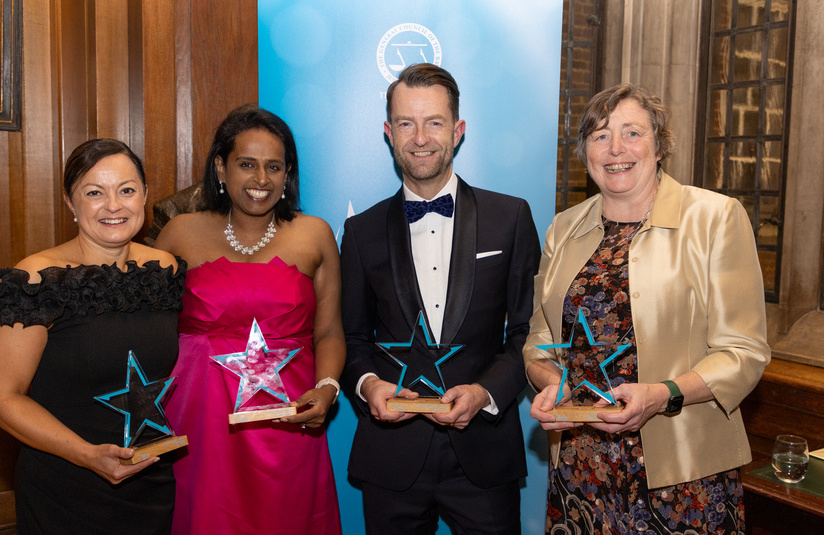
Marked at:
<point>425,75</point>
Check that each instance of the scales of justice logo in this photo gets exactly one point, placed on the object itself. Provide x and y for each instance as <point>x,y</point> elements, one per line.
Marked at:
<point>407,44</point>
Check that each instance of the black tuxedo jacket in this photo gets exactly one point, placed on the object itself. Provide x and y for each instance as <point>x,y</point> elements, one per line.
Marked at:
<point>488,306</point>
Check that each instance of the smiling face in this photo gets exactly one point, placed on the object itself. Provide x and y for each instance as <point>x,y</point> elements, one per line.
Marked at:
<point>423,135</point>
<point>621,155</point>
<point>254,172</point>
<point>108,202</point>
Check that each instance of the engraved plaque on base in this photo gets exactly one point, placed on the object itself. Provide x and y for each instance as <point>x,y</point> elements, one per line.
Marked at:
<point>146,428</point>
<point>596,380</point>
<point>259,370</point>
<point>421,404</point>
<point>420,362</point>
<point>582,413</point>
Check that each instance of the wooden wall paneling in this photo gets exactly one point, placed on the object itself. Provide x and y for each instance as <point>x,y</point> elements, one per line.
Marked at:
<point>72,49</point>
<point>40,154</point>
<point>134,47</point>
<point>111,65</point>
<point>159,96</point>
<point>183,94</point>
<point>789,399</point>
<point>224,67</point>
<point>5,216</point>
<point>16,212</point>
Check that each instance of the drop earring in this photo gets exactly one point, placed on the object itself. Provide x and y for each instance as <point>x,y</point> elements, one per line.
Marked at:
<point>221,191</point>
<point>75,217</point>
<point>283,195</point>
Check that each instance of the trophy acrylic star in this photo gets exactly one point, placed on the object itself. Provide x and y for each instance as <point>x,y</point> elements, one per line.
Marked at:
<point>420,361</point>
<point>259,370</point>
<point>146,429</point>
<point>595,379</point>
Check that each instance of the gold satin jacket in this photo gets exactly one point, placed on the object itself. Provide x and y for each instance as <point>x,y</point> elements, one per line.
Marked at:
<point>697,304</point>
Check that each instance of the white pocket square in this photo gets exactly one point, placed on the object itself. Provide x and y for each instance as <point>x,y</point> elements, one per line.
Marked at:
<point>486,254</point>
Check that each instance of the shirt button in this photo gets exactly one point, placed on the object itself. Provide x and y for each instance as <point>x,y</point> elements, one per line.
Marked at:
<point>437,306</point>
<point>636,295</point>
<point>634,258</point>
<point>434,269</point>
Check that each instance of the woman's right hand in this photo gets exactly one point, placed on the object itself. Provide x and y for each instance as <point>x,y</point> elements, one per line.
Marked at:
<point>104,460</point>
<point>544,402</point>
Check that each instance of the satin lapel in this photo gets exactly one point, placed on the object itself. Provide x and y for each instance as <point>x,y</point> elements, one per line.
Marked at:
<point>400,259</point>
<point>462,264</point>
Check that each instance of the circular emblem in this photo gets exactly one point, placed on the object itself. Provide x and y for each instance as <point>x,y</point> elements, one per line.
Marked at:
<point>407,44</point>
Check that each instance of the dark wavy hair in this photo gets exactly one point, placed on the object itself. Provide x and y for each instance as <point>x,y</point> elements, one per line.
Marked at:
<point>89,153</point>
<point>596,115</point>
<point>239,120</point>
<point>426,75</point>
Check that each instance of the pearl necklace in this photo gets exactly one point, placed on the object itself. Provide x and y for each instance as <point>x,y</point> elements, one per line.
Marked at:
<point>230,237</point>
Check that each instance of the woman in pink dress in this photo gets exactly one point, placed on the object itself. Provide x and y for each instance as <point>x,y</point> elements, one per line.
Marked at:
<point>255,260</point>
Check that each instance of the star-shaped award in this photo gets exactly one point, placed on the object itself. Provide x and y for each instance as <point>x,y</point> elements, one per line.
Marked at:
<point>139,402</point>
<point>581,319</point>
<point>258,368</point>
<point>420,359</point>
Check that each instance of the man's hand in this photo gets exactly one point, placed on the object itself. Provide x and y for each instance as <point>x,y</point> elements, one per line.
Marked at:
<point>468,400</point>
<point>376,392</point>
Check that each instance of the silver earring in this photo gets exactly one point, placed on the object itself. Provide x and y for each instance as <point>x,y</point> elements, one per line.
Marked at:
<point>222,191</point>
<point>75,218</point>
<point>283,195</point>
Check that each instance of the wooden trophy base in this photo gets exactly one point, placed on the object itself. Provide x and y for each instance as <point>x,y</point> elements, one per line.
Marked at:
<point>269,413</point>
<point>153,449</point>
<point>424,405</point>
<point>581,413</point>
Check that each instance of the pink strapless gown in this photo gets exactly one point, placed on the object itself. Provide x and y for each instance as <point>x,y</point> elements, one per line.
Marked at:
<point>256,478</point>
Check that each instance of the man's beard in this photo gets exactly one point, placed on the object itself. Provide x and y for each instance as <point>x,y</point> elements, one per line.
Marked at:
<point>422,173</point>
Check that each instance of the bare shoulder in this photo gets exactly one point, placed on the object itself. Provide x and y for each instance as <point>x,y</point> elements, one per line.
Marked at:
<point>53,257</point>
<point>143,254</point>
<point>312,226</point>
<point>183,230</point>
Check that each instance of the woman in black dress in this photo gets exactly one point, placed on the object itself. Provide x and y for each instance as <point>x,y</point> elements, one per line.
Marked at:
<point>69,318</point>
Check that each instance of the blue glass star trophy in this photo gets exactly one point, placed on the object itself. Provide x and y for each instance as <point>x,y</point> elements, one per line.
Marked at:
<point>146,430</point>
<point>593,378</point>
<point>420,361</point>
<point>259,369</point>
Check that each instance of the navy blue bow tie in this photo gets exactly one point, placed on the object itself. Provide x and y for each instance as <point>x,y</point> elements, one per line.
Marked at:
<point>414,210</point>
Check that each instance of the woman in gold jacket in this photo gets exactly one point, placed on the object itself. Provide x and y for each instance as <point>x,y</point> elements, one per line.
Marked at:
<point>672,271</point>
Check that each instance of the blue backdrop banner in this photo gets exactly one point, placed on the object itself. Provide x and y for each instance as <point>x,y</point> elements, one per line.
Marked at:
<point>324,68</point>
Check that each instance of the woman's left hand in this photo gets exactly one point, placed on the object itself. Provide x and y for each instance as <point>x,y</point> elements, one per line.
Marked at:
<point>641,402</point>
<point>319,401</point>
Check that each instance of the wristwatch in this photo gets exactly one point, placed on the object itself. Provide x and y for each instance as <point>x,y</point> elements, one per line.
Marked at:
<point>676,400</point>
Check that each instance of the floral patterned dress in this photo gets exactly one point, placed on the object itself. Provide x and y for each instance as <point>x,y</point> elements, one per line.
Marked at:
<point>600,484</point>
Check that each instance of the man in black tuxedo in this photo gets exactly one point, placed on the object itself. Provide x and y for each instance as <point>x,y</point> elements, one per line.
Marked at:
<point>466,262</point>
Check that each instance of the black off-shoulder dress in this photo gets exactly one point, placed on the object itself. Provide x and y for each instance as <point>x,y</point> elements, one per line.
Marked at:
<point>96,315</point>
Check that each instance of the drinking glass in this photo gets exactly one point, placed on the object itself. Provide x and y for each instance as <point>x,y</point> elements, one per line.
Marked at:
<point>790,458</point>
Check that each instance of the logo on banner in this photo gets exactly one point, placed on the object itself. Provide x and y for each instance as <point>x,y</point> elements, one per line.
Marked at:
<point>407,44</point>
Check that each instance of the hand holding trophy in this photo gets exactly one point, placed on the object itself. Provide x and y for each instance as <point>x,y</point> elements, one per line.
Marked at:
<point>594,377</point>
<point>146,428</point>
<point>259,370</point>
<point>420,361</point>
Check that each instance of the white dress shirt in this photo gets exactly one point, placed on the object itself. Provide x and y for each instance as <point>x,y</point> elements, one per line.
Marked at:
<point>431,238</point>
